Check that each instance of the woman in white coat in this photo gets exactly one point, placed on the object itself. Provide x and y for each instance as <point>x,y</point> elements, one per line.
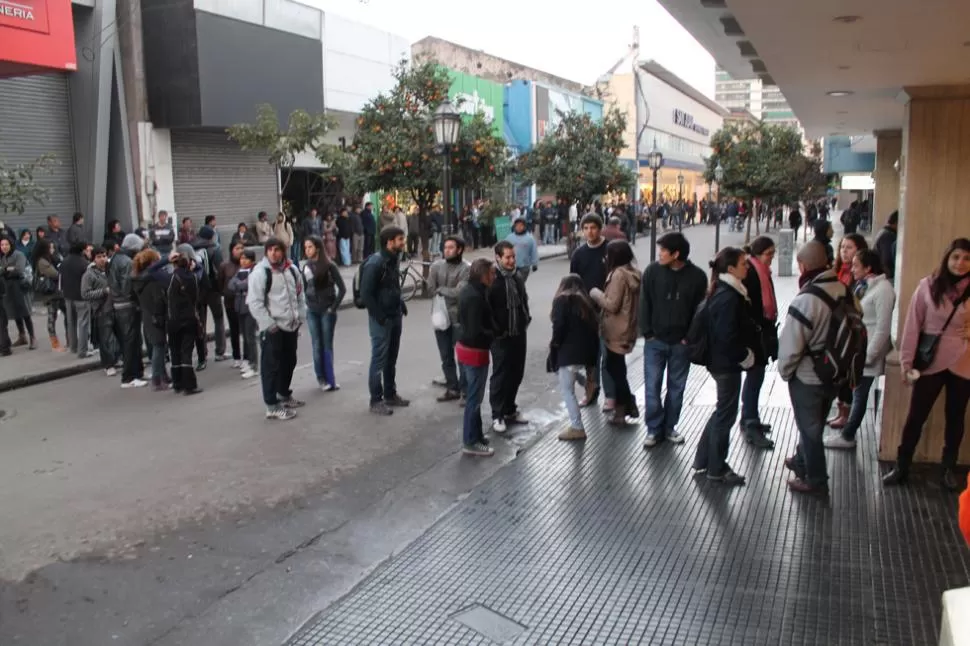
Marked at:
<point>877,298</point>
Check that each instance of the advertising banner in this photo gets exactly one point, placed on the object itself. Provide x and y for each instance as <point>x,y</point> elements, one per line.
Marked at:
<point>551,103</point>
<point>36,36</point>
<point>472,95</point>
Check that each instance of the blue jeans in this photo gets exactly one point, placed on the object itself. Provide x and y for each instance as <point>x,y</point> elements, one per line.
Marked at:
<point>567,388</point>
<point>860,399</point>
<point>750,394</point>
<point>446,340</point>
<point>158,361</point>
<point>606,381</point>
<point>344,251</point>
<point>321,325</point>
<point>658,356</point>
<point>475,378</point>
<point>385,343</point>
<point>712,448</point>
<point>810,405</point>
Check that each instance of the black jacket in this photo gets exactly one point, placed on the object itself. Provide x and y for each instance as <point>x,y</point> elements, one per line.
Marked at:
<point>731,331</point>
<point>590,264</point>
<point>768,348</point>
<point>150,292</point>
<point>885,246</point>
<point>324,295</point>
<point>212,262</point>
<point>668,300</point>
<point>72,270</point>
<point>821,228</point>
<point>368,223</point>
<point>182,297</point>
<point>475,317</point>
<point>574,339</point>
<point>498,300</point>
<point>345,229</point>
<point>380,286</point>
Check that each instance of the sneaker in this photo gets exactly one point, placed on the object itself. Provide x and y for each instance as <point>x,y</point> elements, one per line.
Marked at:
<point>236,363</point>
<point>248,373</point>
<point>331,388</point>
<point>134,383</point>
<point>516,419</point>
<point>498,426</point>
<point>462,402</point>
<point>111,372</point>
<point>572,435</point>
<point>697,470</point>
<point>397,401</point>
<point>380,408</point>
<point>199,367</point>
<point>651,441</point>
<point>88,355</point>
<point>449,396</point>
<point>291,402</point>
<point>478,449</point>
<point>221,357</point>
<point>729,478</point>
<point>280,412</point>
<point>799,485</point>
<point>837,441</point>
<point>675,438</point>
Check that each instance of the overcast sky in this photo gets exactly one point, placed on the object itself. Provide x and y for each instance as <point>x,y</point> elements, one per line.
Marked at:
<point>578,45</point>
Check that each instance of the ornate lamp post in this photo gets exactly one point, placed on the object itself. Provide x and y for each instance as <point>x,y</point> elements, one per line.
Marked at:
<point>655,159</point>
<point>718,177</point>
<point>447,123</point>
<point>680,198</point>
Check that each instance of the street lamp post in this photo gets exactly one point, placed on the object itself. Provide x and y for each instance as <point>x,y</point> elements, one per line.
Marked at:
<point>718,177</point>
<point>680,199</point>
<point>447,123</point>
<point>655,159</point>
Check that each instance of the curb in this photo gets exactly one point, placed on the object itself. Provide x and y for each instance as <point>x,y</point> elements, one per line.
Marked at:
<point>25,381</point>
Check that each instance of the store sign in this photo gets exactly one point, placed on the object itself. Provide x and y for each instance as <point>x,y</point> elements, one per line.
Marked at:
<point>685,120</point>
<point>25,14</point>
<point>472,104</point>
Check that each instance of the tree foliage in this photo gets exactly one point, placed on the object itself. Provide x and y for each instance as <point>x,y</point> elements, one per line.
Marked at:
<point>395,145</point>
<point>578,161</point>
<point>19,186</point>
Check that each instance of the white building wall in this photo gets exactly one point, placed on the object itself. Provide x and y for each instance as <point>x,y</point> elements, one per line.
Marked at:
<point>661,103</point>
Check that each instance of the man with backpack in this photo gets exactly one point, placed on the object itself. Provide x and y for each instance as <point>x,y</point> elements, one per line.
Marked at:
<point>209,258</point>
<point>822,347</point>
<point>277,304</point>
<point>377,288</point>
<point>127,315</point>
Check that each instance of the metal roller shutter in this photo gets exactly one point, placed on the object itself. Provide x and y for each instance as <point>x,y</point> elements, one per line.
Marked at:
<point>213,176</point>
<point>35,120</point>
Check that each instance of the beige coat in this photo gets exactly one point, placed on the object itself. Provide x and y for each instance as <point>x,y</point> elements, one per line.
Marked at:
<point>264,231</point>
<point>620,301</point>
<point>283,231</point>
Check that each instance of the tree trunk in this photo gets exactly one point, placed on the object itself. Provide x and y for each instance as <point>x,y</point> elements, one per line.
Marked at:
<point>757,220</point>
<point>751,216</point>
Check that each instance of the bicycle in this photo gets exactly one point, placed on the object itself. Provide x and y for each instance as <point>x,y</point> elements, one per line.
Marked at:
<point>412,278</point>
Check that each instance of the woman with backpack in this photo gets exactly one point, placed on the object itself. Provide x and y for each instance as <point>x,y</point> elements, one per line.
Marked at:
<point>764,311</point>
<point>574,346</point>
<point>620,303</point>
<point>182,298</point>
<point>47,289</point>
<point>325,290</point>
<point>731,336</point>
<point>934,356</point>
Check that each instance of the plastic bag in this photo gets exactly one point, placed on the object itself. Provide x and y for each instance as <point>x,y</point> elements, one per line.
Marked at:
<point>440,320</point>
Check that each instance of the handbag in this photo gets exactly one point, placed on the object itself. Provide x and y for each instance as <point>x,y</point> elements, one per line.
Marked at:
<point>928,343</point>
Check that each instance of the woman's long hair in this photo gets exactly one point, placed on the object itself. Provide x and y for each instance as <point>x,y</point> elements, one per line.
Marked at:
<point>573,290</point>
<point>860,245</point>
<point>759,245</point>
<point>42,249</point>
<point>321,265</point>
<point>725,258</point>
<point>143,260</point>
<point>942,280</point>
<point>618,254</point>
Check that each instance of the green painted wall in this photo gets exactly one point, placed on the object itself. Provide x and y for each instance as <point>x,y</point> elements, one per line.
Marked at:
<point>472,94</point>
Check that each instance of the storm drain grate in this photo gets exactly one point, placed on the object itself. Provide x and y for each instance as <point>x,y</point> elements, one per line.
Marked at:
<point>485,621</point>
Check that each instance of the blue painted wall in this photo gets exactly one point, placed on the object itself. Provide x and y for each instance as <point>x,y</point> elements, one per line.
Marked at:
<point>839,157</point>
<point>518,115</point>
<point>593,108</point>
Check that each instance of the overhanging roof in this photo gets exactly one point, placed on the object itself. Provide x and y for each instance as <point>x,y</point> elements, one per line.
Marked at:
<point>871,48</point>
<point>657,70</point>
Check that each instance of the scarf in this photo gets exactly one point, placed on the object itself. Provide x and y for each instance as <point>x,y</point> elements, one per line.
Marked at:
<point>513,300</point>
<point>861,286</point>
<point>735,284</point>
<point>809,276</point>
<point>768,301</point>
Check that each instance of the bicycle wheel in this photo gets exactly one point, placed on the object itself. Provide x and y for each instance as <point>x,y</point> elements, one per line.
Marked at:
<point>409,286</point>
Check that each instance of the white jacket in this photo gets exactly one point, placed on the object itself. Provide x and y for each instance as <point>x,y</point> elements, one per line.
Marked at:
<point>877,315</point>
<point>285,305</point>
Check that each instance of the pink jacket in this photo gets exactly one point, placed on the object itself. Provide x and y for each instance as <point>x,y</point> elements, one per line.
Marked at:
<point>925,316</point>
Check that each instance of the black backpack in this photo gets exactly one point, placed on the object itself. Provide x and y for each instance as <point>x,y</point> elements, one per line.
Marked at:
<point>841,361</point>
<point>697,339</point>
<point>359,275</point>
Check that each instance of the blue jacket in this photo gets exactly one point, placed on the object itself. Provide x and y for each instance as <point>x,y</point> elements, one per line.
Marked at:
<point>526,251</point>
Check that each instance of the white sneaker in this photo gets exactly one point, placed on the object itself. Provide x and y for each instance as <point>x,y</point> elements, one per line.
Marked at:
<point>248,373</point>
<point>135,383</point>
<point>675,438</point>
<point>280,412</point>
<point>499,426</point>
<point>237,363</point>
<point>836,441</point>
<point>111,372</point>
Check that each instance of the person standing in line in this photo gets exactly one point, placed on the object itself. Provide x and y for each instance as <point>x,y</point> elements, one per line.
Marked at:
<point>369,225</point>
<point>938,308</point>
<point>877,299</point>
<point>849,245</point>
<point>731,335</point>
<point>357,239</point>
<point>283,231</point>
<point>182,300</point>
<point>803,337</point>
<point>127,315</point>
<point>475,323</point>
<point>619,302</point>
<point>161,235</point>
<point>96,296</point>
<point>77,314</point>
<point>574,346</point>
<point>187,232</point>
<point>446,279</point>
<point>510,305</point>
<point>149,281</point>
<point>670,291</point>
<point>526,251</point>
<point>227,270</point>
<point>345,234</point>
<point>209,259</point>
<point>885,245</point>
<point>14,269</point>
<point>589,263</point>
<point>764,311</point>
<point>239,286</point>
<point>380,293</point>
<point>325,291</point>
<point>47,289</point>
<point>277,304</point>
<point>264,228</point>
<point>57,235</point>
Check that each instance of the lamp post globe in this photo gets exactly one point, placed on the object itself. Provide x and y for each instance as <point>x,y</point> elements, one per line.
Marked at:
<point>446,123</point>
<point>655,159</point>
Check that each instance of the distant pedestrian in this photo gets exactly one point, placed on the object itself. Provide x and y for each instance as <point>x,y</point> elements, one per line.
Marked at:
<point>526,251</point>
<point>369,225</point>
<point>477,334</point>
<point>239,286</point>
<point>357,240</point>
<point>264,228</point>
<point>161,235</point>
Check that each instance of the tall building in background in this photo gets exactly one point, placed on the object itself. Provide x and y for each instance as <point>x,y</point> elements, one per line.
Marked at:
<point>765,102</point>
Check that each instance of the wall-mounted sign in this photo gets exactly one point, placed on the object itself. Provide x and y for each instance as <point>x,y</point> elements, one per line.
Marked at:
<point>472,95</point>
<point>685,120</point>
<point>25,14</point>
<point>472,104</point>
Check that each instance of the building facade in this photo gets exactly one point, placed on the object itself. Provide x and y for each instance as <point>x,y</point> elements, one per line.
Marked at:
<point>763,100</point>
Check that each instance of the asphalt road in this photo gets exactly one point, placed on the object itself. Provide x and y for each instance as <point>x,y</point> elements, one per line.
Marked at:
<point>133,517</point>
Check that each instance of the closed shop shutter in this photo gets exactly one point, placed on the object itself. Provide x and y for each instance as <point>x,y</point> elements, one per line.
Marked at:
<point>34,121</point>
<point>213,176</point>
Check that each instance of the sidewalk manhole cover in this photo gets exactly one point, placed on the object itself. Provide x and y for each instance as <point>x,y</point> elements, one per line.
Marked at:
<point>498,628</point>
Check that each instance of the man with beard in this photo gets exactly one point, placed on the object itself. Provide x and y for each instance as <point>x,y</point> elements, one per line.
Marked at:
<point>510,306</point>
<point>445,279</point>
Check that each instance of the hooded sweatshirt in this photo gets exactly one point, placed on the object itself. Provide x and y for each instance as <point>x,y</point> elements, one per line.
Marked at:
<point>119,272</point>
<point>526,251</point>
<point>284,305</point>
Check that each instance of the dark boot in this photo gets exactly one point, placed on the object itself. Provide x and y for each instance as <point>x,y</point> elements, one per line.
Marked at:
<point>899,474</point>
<point>949,479</point>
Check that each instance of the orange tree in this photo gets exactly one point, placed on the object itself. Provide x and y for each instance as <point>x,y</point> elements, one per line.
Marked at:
<point>395,147</point>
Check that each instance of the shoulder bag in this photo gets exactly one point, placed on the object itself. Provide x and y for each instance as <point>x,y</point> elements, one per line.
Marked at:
<point>928,343</point>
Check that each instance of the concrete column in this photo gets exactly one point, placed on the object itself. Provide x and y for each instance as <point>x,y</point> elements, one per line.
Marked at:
<point>889,149</point>
<point>933,208</point>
